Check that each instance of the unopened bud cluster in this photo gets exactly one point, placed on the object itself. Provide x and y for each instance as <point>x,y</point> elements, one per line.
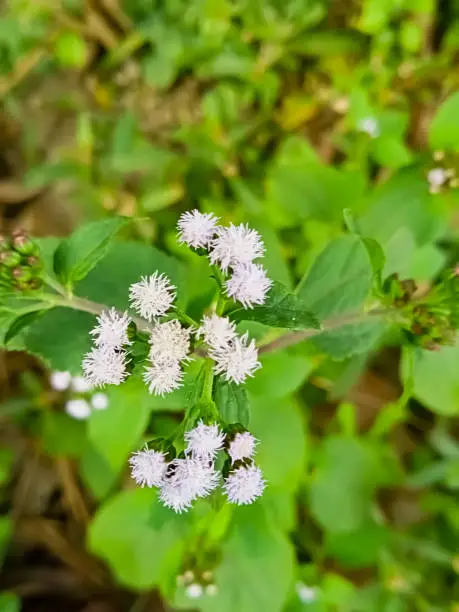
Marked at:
<point>20,265</point>
<point>197,584</point>
<point>182,480</point>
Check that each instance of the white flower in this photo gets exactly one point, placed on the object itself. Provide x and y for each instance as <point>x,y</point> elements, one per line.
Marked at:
<point>102,366</point>
<point>305,593</point>
<point>194,590</point>
<point>80,385</point>
<point>163,377</point>
<point>99,401</point>
<point>237,360</point>
<point>148,467</point>
<point>169,342</point>
<point>216,331</point>
<point>111,329</point>
<point>370,126</point>
<point>186,480</point>
<point>196,229</point>
<point>78,409</point>
<point>242,446</point>
<point>204,441</point>
<point>248,285</point>
<point>244,485</point>
<point>60,381</point>
<point>236,244</point>
<point>152,296</point>
<point>437,176</point>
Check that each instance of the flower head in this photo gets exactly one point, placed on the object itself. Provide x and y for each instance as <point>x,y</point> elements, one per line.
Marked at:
<point>244,485</point>
<point>79,384</point>
<point>204,441</point>
<point>148,467</point>
<point>194,590</point>
<point>242,446</point>
<point>111,329</point>
<point>152,296</point>
<point>102,366</point>
<point>306,594</point>
<point>186,480</point>
<point>216,331</point>
<point>169,342</point>
<point>248,284</point>
<point>60,381</point>
<point>237,360</point>
<point>163,377</point>
<point>370,126</point>
<point>99,401</point>
<point>236,244</point>
<point>196,229</point>
<point>78,409</point>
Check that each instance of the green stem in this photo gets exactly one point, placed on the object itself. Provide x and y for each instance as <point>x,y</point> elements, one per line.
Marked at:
<point>208,384</point>
<point>184,318</point>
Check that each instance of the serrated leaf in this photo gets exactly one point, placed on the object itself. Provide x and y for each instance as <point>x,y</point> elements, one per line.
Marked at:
<point>281,309</point>
<point>232,402</point>
<point>82,250</point>
<point>20,323</point>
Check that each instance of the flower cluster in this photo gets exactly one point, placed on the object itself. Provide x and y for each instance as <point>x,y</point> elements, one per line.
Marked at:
<point>82,401</point>
<point>182,480</point>
<point>233,248</point>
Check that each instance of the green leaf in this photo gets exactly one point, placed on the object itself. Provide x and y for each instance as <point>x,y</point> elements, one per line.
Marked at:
<point>141,540</point>
<point>9,602</point>
<point>21,323</point>
<point>6,531</point>
<point>435,378</point>
<point>127,412</point>
<point>95,472</point>
<point>232,402</point>
<point>359,548</point>
<point>444,129</point>
<point>282,452</point>
<point>61,435</point>
<point>281,309</point>
<point>342,484</point>
<point>82,250</point>
<point>280,375</point>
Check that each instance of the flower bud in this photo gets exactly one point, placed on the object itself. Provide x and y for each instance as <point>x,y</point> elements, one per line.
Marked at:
<point>24,245</point>
<point>10,258</point>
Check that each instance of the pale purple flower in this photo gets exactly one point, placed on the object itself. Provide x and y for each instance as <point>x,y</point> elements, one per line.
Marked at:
<point>248,285</point>
<point>111,329</point>
<point>169,342</point>
<point>242,446</point>
<point>197,229</point>
<point>102,366</point>
<point>237,360</point>
<point>204,441</point>
<point>216,331</point>
<point>148,467</point>
<point>244,485</point>
<point>152,296</point>
<point>234,245</point>
<point>163,377</point>
<point>185,481</point>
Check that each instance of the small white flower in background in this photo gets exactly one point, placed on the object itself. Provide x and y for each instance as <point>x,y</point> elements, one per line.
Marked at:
<point>204,441</point>
<point>111,329</point>
<point>211,590</point>
<point>248,285</point>
<point>237,360</point>
<point>196,229</point>
<point>163,377</point>
<point>216,331</point>
<point>148,467</point>
<point>60,381</point>
<point>194,590</point>
<point>437,177</point>
<point>78,409</point>
<point>186,480</point>
<point>99,401</point>
<point>152,296</point>
<point>370,126</point>
<point>169,342</point>
<point>102,366</point>
<point>80,385</point>
<point>234,245</point>
<point>305,593</point>
<point>242,446</point>
<point>244,485</point>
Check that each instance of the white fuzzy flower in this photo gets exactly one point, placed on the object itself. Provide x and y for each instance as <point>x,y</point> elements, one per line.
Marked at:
<point>306,594</point>
<point>99,401</point>
<point>111,329</point>
<point>244,485</point>
<point>196,229</point>
<point>60,381</point>
<point>169,342</point>
<point>216,331</point>
<point>78,409</point>
<point>248,285</point>
<point>79,384</point>
<point>163,377</point>
<point>186,480</point>
<point>148,467</point>
<point>204,441</point>
<point>370,126</point>
<point>152,296</point>
<point>234,245</point>
<point>242,446</point>
<point>194,590</point>
<point>102,366</point>
<point>237,360</point>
